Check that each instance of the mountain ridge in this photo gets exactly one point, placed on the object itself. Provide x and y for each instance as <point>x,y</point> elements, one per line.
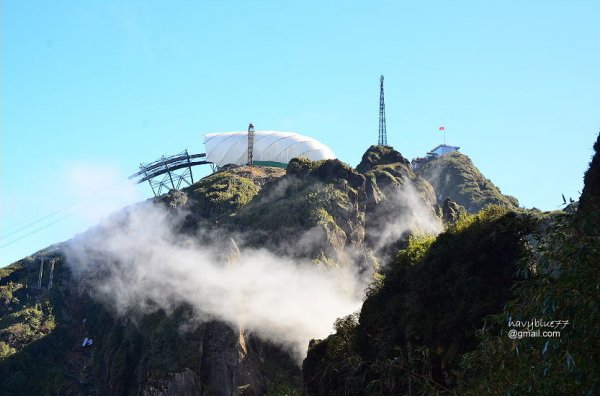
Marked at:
<point>330,215</point>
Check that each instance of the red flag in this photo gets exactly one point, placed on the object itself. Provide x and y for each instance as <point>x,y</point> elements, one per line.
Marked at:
<point>441,128</point>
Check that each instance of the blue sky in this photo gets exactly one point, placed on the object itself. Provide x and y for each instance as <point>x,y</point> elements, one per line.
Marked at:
<point>91,89</point>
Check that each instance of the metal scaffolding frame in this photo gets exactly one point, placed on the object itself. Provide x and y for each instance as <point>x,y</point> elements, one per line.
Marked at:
<point>169,172</point>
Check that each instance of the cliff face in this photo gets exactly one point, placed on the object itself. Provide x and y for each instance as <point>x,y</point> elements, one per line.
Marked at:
<point>321,211</point>
<point>393,189</point>
<point>150,354</point>
<point>454,176</point>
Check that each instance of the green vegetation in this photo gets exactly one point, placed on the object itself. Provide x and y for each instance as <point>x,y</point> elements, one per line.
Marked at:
<point>316,201</point>
<point>454,175</point>
<point>384,167</point>
<point>563,284</point>
<point>222,194</point>
<point>26,316</point>
<point>283,377</point>
<point>422,317</point>
<point>33,337</point>
<point>304,205</point>
<point>434,321</point>
<point>380,156</point>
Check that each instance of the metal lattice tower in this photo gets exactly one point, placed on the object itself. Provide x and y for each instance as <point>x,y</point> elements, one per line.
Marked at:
<point>169,172</point>
<point>250,143</point>
<point>382,131</point>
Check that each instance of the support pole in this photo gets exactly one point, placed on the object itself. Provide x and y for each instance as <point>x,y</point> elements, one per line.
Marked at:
<point>250,144</point>
<point>169,173</point>
<point>51,274</point>
<point>382,141</point>
<point>149,180</point>
<point>170,178</point>
<point>41,272</point>
<point>189,166</point>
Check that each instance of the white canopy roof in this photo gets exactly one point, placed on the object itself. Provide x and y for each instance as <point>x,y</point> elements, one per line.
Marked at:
<point>269,146</point>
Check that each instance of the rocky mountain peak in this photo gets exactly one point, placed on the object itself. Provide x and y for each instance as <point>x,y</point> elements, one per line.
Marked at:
<point>454,175</point>
<point>380,155</point>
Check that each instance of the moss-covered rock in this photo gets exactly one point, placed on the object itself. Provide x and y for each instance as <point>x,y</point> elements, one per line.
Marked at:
<point>454,176</point>
<point>222,194</point>
<point>380,155</point>
<point>451,211</point>
<point>316,211</point>
<point>398,201</point>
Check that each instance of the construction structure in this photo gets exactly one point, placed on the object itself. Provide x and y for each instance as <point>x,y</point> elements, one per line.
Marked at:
<point>51,276</point>
<point>436,152</point>
<point>169,172</point>
<point>39,285</point>
<point>442,149</point>
<point>382,141</point>
<point>250,143</point>
<point>257,148</point>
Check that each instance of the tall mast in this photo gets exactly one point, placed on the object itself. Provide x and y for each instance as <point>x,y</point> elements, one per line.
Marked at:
<point>382,131</point>
<point>250,143</point>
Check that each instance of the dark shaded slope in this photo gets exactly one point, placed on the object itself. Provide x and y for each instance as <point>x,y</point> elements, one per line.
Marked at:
<point>589,202</point>
<point>564,284</point>
<point>422,317</point>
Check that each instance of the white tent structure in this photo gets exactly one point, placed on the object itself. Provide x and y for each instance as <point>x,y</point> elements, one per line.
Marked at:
<point>272,148</point>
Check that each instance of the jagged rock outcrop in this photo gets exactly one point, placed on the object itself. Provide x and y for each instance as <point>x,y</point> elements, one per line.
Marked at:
<point>451,211</point>
<point>185,383</point>
<point>380,155</point>
<point>222,194</point>
<point>316,210</point>
<point>453,175</point>
<point>398,201</point>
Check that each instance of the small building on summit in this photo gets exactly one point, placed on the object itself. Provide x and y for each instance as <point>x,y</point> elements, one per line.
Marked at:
<point>436,152</point>
<point>270,148</point>
<point>442,149</point>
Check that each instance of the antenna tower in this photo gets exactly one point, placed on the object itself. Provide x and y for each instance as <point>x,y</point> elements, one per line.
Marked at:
<point>250,143</point>
<point>382,131</point>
